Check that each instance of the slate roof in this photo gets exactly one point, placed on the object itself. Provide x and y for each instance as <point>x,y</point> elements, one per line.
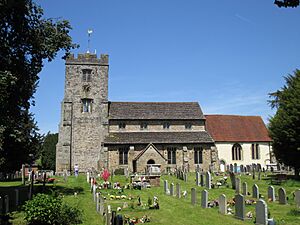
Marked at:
<point>155,111</point>
<point>230,128</point>
<point>158,137</point>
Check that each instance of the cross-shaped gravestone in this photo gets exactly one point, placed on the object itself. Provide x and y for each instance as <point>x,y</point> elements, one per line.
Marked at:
<point>282,196</point>
<point>223,204</point>
<point>245,188</point>
<point>271,194</point>
<point>255,191</point>
<point>240,207</point>
<point>204,199</point>
<point>193,196</point>
<point>261,210</point>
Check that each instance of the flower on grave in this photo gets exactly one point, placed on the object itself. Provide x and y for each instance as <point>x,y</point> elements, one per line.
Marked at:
<point>105,175</point>
<point>119,209</point>
<point>249,215</point>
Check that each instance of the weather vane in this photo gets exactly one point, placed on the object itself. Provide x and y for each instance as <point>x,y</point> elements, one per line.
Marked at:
<point>90,31</point>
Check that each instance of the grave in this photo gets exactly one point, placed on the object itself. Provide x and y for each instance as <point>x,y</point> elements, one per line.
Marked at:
<point>240,207</point>
<point>193,196</point>
<point>232,179</point>
<point>245,188</point>
<point>197,178</point>
<point>201,180</point>
<point>178,190</point>
<point>223,204</point>
<point>282,196</point>
<point>237,185</point>
<point>297,197</point>
<point>255,191</point>
<point>261,212</point>
<point>204,199</point>
<point>172,189</point>
<point>271,194</point>
<point>208,180</point>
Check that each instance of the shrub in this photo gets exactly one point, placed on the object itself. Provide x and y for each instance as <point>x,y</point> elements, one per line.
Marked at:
<point>45,209</point>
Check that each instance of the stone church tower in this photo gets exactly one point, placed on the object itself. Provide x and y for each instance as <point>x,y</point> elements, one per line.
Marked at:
<point>84,113</point>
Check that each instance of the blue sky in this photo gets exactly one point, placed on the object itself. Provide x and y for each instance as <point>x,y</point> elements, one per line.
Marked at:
<point>226,54</point>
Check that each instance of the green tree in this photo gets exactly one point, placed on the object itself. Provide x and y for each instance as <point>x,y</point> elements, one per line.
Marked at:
<point>284,126</point>
<point>26,40</point>
<point>286,3</point>
<point>49,151</point>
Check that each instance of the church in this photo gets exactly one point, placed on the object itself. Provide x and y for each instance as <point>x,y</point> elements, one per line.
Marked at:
<point>96,133</point>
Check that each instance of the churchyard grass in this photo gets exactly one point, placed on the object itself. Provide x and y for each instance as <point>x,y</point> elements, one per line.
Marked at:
<point>173,210</point>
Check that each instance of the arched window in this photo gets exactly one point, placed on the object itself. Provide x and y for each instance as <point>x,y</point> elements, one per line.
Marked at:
<point>255,151</point>
<point>198,155</point>
<point>150,161</point>
<point>236,152</point>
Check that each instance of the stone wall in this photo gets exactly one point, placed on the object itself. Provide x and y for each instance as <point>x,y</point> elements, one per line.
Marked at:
<point>81,133</point>
<point>156,126</point>
<point>184,157</point>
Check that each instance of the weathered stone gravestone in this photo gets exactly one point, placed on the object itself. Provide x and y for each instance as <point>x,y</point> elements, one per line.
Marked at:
<point>259,175</point>
<point>282,196</point>
<point>172,189</point>
<point>88,177</point>
<point>185,177</point>
<point>228,168</point>
<point>245,188</point>
<point>165,186</point>
<point>208,180</point>
<point>231,168</point>
<point>297,197</point>
<point>255,191</point>
<point>261,210</point>
<point>232,179</point>
<point>223,204</point>
<point>17,196</point>
<point>253,174</point>
<point>178,190</point>
<point>271,194</point>
<point>193,196</point>
<point>6,204</point>
<point>197,178</point>
<point>204,199</point>
<point>240,207</point>
<point>201,180</point>
<point>97,202</point>
<point>242,168</point>
<point>94,192</point>
<point>101,205</point>
<point>235,168</point>
<point>237,185</point>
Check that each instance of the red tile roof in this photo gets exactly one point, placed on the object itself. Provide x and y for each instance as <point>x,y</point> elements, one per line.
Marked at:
<point>229,128</point>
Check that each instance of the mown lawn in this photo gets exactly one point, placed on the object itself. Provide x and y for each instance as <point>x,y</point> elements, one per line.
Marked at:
<point>172,211</point>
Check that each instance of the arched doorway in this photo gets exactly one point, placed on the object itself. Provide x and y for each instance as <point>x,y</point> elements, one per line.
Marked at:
<point>150,161</point>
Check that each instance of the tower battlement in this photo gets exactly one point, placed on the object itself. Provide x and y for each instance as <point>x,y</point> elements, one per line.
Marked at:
<point>90,58</point>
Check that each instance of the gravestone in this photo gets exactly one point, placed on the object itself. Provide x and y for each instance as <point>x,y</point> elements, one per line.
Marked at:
<point>282,196</point>
<point>101,207</point>
<point>253,174</point>
<point>97,202</point>
<point>197,178</point>
<point>242,168</point>
<point>232,179</point>
<point>237,185</point>
<point>17,196</point>
<point>172,189</point>
<point>223,204</point>
<point>240,207</point>
<point>202,180</point>
<point>248,168</point>
<point>1,206</point>
<point>245,188</point>
<point>119,220</point>
<point>204,199</point>
<point>255,191</point>
<point>6,204</point>
<point>178,190</point>
<point>231,168</point>
<point>227,168</point>
<point>208,180</point>
<point>193,196</point>
<point>185,177</point>
<point>261,210</point>
<point>94,192</point>
<point>165,186</point>
<point>271,194</point>
<point>235,168</point>
<point>23,174</point>
<point>88,177</point>
<point>297,197</point>
<point>259,175</point>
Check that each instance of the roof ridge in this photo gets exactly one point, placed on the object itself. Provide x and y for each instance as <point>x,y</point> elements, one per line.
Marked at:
<point>152,102</point>
<point>232,115</point>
